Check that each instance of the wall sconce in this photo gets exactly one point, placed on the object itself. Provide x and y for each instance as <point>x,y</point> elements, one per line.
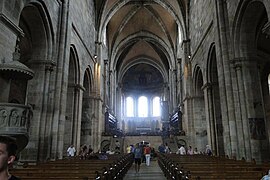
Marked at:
<point>95,56</point>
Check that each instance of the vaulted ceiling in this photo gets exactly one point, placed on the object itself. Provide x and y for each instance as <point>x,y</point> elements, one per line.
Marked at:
<point>142,37</point>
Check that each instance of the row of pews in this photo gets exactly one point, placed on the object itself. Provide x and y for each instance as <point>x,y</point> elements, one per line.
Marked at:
<point>203,167</point>
<point>115,167</point>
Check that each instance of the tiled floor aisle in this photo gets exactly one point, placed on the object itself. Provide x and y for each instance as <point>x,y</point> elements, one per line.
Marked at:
<point>146,172</point>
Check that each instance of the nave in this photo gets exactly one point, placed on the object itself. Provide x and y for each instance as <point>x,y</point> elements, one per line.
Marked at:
<point>152,172</point>
<point>165,166</point>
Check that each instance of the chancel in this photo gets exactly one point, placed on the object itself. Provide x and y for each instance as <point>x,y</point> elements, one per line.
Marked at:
<point>112,74</point>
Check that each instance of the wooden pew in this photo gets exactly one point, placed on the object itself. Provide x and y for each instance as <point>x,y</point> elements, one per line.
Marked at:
<point>209,167</point>
<point>114,166</point>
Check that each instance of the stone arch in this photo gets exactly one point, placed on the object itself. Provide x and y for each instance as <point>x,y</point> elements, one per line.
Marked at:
<point>244,31</point>
<point>72,107</point>
<point>251,63</point>
<point>199,126</point>
<point>146,60</point>
<point>87,109</point>
<point>150,38</point>
<point>214,115</point>
<point>36,51</point>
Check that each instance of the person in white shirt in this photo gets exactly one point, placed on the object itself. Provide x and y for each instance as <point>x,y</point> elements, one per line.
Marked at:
<point>71,151</point>
<point>196,151</point>
<point>190,151</point>
<point>181,150</point>
<point>267,176</point>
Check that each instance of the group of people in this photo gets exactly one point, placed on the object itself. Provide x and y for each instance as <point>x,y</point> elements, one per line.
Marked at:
<point>8,150</point>
<point>84,152</point>
<point>182,150</point>
<point>141,152</point>
<point>164,148</point>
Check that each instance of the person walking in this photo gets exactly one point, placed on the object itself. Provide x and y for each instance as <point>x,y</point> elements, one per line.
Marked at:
<point>147,153</point>
<point>128,149</point>
<point>137,157</point>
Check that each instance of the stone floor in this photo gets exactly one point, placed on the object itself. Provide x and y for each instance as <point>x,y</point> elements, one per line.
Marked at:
<point>146,172</point>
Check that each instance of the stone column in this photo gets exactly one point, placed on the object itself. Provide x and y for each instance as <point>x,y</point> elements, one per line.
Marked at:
<point>241,112</point>
<point>165,92</point>
<point>179,82</point>
<point>211,133</point>
<point>61,90</point>
<point>105,84</point>
<point>44,118</point>
<point>266,30</point>
<point>188,91</point>
<point>98,117</point>
<point>38,98</point>
<point>254,104</point>
<point>118,107</point>
<point>86,122</point>
<point>95,121</point>
<point>225,85</point>
<point>78,95</point>
<point>110,89</point>
<point>170,88</point>
<point>174,89</point>
<point>99,70</point>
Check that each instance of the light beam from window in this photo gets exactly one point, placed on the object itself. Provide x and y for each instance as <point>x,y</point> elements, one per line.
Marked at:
<point>130,107</point>
<point>142,106</point>
<point>156,106</point>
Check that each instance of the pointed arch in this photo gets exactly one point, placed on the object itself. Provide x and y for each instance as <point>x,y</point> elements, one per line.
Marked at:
<point>87,109</point>
<point>251,62</point>
<point>213,113</point>
<point>36,52</point>
<point>199,123</point>
<point>72,107</point>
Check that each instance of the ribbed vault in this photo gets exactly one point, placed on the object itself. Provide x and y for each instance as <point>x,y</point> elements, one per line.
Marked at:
<point>135,30</point>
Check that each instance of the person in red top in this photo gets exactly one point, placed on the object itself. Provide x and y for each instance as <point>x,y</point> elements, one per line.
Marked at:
<point>147,152</point>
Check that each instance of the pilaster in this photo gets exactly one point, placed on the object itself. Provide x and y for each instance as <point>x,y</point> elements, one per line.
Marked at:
<point>210,119</point>
<point>241,111</point>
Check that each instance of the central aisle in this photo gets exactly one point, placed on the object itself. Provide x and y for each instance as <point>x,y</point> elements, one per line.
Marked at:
<point>146,172</point>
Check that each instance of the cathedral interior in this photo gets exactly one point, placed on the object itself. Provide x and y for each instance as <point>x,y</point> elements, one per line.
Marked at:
<point>182,72</point>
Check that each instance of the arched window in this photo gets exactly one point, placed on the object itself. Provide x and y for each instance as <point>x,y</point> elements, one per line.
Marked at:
<point>143,106</point>
<point>156,106</point>
<point>130,107</point>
